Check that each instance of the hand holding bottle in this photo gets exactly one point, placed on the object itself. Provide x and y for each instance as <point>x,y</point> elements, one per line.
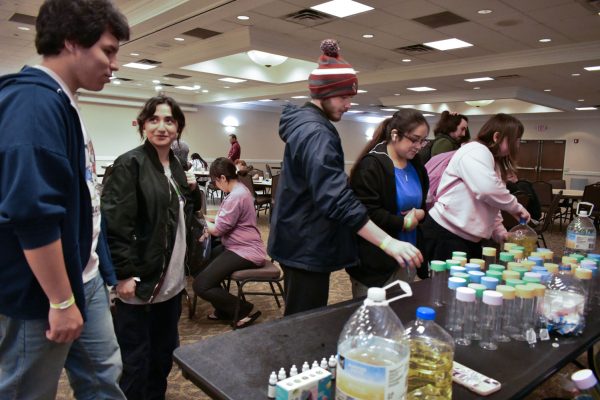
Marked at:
<point>404,253</point>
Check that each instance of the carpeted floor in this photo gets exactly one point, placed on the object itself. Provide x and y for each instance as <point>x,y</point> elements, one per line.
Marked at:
<point>198,328</point>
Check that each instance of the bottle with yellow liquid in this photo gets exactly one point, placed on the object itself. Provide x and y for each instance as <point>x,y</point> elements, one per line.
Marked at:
<point>523,235</point>
<point>431,356</point>
<point>372,353</point>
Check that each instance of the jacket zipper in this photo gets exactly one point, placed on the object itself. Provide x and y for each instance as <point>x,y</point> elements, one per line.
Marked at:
<point>161,280</point>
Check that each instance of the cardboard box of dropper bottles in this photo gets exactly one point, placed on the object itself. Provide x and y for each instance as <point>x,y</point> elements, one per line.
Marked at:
<point>314,384</point>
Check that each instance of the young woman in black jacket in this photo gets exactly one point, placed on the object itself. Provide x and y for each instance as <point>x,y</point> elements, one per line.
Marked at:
<point>390,180</point>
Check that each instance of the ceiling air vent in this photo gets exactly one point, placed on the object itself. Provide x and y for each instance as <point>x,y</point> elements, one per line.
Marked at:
<point>23,19</point>
<point>440,19</point>
<point>177,76</point>
<point>414,49</point>
<point>201,33</point>
<point>504,77</point>
<point>308,17</point>
<point>148,61</point>
<point>124,79</point>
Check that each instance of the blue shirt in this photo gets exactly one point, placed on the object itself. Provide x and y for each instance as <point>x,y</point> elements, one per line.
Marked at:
<point>408,196</point>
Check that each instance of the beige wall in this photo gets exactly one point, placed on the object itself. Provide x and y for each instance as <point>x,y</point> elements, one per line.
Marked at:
<point>113,134</point>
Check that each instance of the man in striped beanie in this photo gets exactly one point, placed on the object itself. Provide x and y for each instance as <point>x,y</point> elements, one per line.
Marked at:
<point>317,216</point>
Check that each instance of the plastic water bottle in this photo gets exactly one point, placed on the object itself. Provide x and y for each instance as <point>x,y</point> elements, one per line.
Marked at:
<point>431,356</point>
<point>465,304</point>
<point>587,384</point>
<point>490,319</point>
<point>438,282</point>
<point>564,303</point>
<point>581,233</point>
<point>373,352</point>
<point>523,235</point>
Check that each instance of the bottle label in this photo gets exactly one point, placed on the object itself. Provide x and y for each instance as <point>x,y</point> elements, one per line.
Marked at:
<point>580,242</point>
<point>357,380</point>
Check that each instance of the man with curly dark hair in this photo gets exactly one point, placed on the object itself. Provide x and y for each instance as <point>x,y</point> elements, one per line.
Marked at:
<point>55,264</point>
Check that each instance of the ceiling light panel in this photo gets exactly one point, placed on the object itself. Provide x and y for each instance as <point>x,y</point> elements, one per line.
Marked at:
<point>594,68</point>
<point>232,80</point>
<point>139,65</point>
<point>342,8</point>
<point>448,44</point>
<point>481,79</point>
<point>421,89</point>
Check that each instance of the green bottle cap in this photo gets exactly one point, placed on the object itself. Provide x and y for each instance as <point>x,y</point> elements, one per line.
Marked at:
<point>514,282</point>
<point>451,263</point>
<point>506,257</point>
<point>438,266</point>
<point>462,275</point>
<point>521,271</point>
<point>578,257</point>
<point>494,274</point>
<point>479,289</point>
<point>496,267</point>
<point>489,251</point>
<point>459,254</point>
<point>512,264</point>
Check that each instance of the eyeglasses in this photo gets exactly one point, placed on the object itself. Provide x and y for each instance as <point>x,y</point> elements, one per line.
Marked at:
<point>417,140</point>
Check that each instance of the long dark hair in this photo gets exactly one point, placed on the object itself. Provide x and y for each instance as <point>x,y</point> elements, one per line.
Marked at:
<point>508,127</point>
<point>403,121</point>
<point>448,124</point>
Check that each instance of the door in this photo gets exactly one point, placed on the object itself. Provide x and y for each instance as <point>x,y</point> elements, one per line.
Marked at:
<point>541,160</point>
<point>527,160</point>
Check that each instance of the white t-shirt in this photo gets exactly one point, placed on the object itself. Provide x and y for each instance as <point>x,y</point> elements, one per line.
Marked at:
<point>91,269</point>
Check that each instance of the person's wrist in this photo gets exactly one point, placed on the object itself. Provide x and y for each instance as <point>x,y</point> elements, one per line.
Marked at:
<point>408,222</point>
<point>64,304</point>
<point>385,242</point>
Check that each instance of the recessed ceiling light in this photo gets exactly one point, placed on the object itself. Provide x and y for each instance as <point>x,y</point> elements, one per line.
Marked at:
<point>547,90</point>
<point>353,111</point>
<point>24,28</point>
<point>134,54</point>
<point>429,115</point>
<point>575,74</point>
<point>116,81</point>
<point>266,100</point>
<point>481,79</point>
<point>179,39</point>
<point>299,97</point>
<point>545,40</point>
<point>139,65</point>
<point>594,68</point>
<point>580,99</point>
<point>204,91</point>
<point>354,104</point>
<point>407,106</point>
<point>361,91</point>
<point>421,89</point>
<point>155,81</point>
<point>138,84</point>
<point>158,87</point>
<point>226,87</point>
<point>190,88</point>
<point>342,8</point>
<point>243,17</point>
<point>476,88</point>
<point>406,60</point>
<point>448,44</point>
<point>232,80</point>
<point>368,36</point>
<point>483,12</point>
<point>396,94</point>
<point>585,108</point>
<point>389,109</point>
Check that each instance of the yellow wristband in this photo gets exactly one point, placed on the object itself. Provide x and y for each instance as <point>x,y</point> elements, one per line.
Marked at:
<point>384,243</point>
<point>409,222</point>
<point>65,304</point>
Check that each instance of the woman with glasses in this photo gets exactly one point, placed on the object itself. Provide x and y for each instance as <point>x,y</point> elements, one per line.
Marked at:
<point>472,192</point>
<point>390,180</point>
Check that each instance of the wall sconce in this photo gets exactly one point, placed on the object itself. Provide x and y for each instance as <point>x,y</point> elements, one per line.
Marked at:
<point>479,103</point>
<point>230,123</point>
<point>266,59</point>
<point>369,133</point>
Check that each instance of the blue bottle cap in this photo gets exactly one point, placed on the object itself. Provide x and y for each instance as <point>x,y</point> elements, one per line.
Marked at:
<point>563,267</point>
<point>454,282</point>
<point>426,313</point>
<point>591,267</point>
<point>472,267</point>
<point>522,221</point>
<point>456,268</point>
<point>489,282</point>
<point>536,259</point>
<point>475,276</point>
<point>594,256</point>
<point>545,276</point>
<point>537,268</point>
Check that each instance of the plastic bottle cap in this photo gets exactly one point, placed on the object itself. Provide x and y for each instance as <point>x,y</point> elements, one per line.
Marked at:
<point>458,254</point>
<point>476,274</point>
<point>588,263</point>
<point>539,269</point>
<point>512,264</point>
<point>477,261</point>
<point>564,267</point>
<point>536,259</point>
<point>472,267</point>
<point>583,273</point>
<point>583,213</point>
<point>508,292</point>
<point>456,268</point>
<point>584,379</point>
<point>517,247</point>
<point>524,291</point>
<point>376,294</point>
<point>489,251</point>
<point>578,257</point>
<point>551,267</point>
<point>538,289</point>
<point>527,264</point>
<point>426,313</point>
<point>594,256</point>
<point>454,282</point>
<point>478,288</point>
<point>492,297</point>
<point>504,256</point>
<point>568,260</point>
<point>533,275</point>
<point>490,282</point>
<point>517,253</point>
<point>438,266</point>
<point>451,262</point>
<point>496,267</point>
<point>506,275</point>
<point>465,294</point>
<point>514,282</point>
<point>508,246</point>
<point>531,279</point>
<point>494,274</point>
<point>463,275</point>
<point>460,259</point>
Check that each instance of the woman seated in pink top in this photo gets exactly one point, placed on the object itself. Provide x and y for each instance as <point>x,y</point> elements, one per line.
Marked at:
<point>472,191</point>
<point>241,248</point>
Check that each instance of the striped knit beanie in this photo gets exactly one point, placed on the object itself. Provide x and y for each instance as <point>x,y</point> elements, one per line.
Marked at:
<point>334,76</point>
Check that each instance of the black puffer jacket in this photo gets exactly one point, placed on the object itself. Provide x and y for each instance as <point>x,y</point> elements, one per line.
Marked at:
<point>317,216</point>
<point>141,214</point>
<point>374,183</point>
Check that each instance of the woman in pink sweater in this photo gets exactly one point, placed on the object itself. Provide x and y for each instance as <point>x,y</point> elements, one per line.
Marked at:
<point>241,245</point>
<point>472,192</point>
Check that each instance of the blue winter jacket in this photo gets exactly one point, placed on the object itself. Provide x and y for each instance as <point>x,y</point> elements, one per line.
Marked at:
<point>317,215</point>
<point>43,193</point>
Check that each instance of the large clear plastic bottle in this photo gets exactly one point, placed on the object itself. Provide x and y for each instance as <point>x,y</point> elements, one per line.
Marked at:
<point>564,303</point>
<point>523,235</point>
<point>373,353</point>
<point>431,356</point>
<point>581,233</point>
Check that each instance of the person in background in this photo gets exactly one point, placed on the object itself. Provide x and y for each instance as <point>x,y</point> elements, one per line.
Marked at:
<point>451,131</point>
<point>314,226</point>
<point>198,162</point>
<point>235,151</point>
<point>241,166</point>
<point>472,192</point>
<point>55,262</point>
<point>148,204</point>
<point>390,180</point>
<point>241,246</point>
<point>181,151</point>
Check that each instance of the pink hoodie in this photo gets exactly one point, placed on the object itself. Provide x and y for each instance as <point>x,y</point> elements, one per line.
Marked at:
<point>471,195</point>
